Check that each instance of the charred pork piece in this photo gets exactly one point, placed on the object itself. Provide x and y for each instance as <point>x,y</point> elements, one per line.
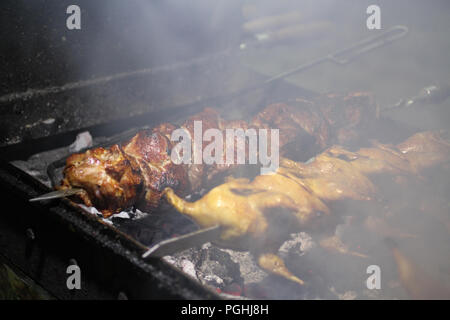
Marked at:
<point>136,172</point>
<point>308,127</point>
<point>252,208</point>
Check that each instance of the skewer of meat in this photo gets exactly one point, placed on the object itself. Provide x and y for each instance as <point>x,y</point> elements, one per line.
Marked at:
<point>136,172</point>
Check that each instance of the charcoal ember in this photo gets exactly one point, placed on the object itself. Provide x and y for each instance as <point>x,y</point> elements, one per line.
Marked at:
<point>250,271</point>
<point>233,289</point>
<point>236,273</point>
<point>217,269</point>
<point>212,266</point>
<point>183,263</point>
<point>298,244</point>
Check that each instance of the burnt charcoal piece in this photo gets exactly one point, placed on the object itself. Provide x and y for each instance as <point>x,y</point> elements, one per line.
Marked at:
<point>218,263</point>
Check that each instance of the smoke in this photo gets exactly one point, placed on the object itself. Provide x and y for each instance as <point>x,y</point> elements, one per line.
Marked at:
<point>130,36</point>
<point>125,36</point>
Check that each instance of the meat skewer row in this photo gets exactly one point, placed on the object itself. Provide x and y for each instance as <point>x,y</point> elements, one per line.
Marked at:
<point>136,172</point>
<point>254,209</point>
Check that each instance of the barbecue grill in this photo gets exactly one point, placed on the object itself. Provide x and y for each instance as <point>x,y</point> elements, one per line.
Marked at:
<point>41,127</point>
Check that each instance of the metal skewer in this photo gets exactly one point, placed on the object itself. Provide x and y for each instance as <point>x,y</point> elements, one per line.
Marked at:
<point>346,55</point>
<point>57,194</point>
<point>177,244</point>
<point>433,94</point>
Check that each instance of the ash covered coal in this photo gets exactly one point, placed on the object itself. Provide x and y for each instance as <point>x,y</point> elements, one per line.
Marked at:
<point>227,271</point>
<point>210,265</point>
<point>236,273</point>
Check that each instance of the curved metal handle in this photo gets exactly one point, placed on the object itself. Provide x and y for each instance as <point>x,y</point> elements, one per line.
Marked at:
<point>346,55</point>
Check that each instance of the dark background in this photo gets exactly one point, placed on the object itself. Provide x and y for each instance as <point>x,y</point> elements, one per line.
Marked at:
<point>38,50</point>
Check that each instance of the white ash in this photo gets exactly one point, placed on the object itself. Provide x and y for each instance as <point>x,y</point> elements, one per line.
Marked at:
<point>82,141</point>
<point>212,266</point>
<point>107,221</point>
<point>182,263</point>
<point>206,246</point>
<point>90,210</point>
<point>122,215</point>
<point>133,214</point>
<point>169,259</point>
<point>138,214</point>
<point>130,213</point>
<point>214,278</point>
<point>48,121</point>
<point>212,270</point>
<point>213,281</point>
<point>299,243</point>
<point>250,271</point>
<point>95,212</point>
<point>188,267</point>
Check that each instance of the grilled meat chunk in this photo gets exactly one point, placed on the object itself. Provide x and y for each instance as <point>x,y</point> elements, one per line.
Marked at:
<point>309,126</point>
<point>109,178</point>
<point>151,152</point>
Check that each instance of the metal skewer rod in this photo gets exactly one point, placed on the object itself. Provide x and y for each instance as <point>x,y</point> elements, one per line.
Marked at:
<point>344,56</point>
<point>57,194</point>
<point>177,244</point>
